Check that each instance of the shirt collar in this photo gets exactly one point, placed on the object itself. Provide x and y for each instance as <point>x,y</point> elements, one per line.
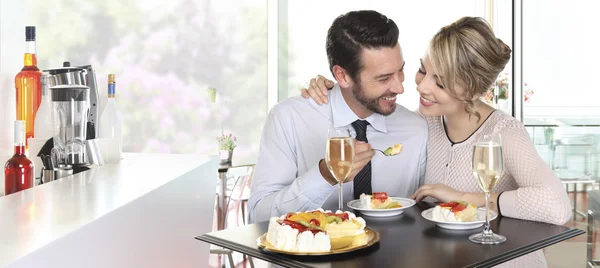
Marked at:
<point>344,116</point>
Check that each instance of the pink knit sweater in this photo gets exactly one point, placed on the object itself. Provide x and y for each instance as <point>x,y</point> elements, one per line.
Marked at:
<point>531,189</point>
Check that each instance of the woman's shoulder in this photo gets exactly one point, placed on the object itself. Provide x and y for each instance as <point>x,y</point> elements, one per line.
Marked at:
<point>501,122</point>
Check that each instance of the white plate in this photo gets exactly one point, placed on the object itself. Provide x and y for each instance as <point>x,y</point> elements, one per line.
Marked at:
<point>427,214</point>
<point>388,212</point>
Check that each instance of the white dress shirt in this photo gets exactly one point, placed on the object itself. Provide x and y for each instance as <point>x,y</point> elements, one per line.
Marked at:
<point>287,176</point>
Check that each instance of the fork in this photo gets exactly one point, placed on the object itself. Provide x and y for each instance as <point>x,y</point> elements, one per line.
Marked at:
<point>381,152</point>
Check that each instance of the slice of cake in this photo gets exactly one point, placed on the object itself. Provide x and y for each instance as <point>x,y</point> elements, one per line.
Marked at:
<point>455,211</point>
<point>378,200</point>
<point>393,150</point>
<point>316,231</point>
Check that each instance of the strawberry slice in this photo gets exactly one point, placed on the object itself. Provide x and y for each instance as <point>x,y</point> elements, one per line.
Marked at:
<point>449,204</point>
<point>295,225</point>
<point>315,222</point>
<point>458,208</point>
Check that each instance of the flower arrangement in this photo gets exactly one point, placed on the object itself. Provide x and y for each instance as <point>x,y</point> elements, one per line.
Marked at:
<point>227,142</point>
<point>527,94</point>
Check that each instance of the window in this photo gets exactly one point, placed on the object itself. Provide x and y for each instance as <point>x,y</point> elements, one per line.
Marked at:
<point>165,54</point>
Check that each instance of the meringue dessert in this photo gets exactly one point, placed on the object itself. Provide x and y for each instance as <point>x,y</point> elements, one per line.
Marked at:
<point>379,200</point>
<point>316,231</point>
<point>393,150</point>
<point>455,211</point>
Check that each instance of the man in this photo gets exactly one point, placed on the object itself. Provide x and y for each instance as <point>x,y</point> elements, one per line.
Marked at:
<point>366,60</point>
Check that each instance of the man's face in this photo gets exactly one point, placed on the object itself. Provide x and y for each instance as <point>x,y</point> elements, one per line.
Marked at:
<point>380,79</point>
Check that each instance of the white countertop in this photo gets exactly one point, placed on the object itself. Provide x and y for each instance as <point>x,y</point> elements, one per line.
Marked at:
<point>36,217</point>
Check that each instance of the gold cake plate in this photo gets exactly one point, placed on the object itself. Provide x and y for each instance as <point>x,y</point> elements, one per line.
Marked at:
<point>372,237</point>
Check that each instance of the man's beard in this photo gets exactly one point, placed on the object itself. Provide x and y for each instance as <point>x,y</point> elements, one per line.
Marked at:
<point>371,104</point>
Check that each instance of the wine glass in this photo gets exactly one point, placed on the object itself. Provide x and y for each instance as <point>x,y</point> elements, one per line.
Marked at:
<point>339,156</point>
<point>487,168</point>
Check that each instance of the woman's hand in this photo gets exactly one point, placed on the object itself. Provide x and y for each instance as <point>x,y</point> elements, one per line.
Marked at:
<point>317,89</point>
<point>440,192</point>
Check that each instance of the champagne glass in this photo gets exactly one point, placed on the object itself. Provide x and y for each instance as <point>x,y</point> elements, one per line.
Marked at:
<point>487,168</point>
<point>339,156</point>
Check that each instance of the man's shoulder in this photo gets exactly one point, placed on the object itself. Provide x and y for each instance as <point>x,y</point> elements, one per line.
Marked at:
<point>404,116</point>
<point>297,104</point>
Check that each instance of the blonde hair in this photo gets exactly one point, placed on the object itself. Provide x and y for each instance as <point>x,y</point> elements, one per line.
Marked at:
<point>468,53</point>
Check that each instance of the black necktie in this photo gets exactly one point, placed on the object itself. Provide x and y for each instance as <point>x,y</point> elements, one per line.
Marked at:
<point>362,181</point>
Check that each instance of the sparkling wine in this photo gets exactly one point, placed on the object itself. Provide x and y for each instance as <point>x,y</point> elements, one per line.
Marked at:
<point>28,86</point>
<point>487,169</point>
<point>18,170</point>
<point>487,164</point>
<point>340,154</point>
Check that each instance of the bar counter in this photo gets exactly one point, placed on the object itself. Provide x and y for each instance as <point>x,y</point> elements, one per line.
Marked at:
<point>142,212</point>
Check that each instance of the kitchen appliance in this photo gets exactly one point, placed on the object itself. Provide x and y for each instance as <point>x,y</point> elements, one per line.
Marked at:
<point>75,102</point>
<point>79,75</point>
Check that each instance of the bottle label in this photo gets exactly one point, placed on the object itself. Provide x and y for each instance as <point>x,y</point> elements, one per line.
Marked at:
<point>19,132</point>
<point>111,89</point>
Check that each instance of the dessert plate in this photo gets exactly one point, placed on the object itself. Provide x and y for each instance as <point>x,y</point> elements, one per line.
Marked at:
<point>372,237</point>
<point>384,212</point>
<point>427,214</point>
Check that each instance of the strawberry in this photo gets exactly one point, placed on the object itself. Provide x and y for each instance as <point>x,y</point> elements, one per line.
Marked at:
<point>315,222</point>
<point>344,216</point>
<point>381,196</point>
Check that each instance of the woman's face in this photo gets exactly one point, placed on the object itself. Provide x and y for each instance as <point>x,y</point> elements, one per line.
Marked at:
<point>435,100</point>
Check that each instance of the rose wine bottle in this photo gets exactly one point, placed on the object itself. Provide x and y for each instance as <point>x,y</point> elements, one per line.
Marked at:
<point>27,83</point>
<point>18,170</point>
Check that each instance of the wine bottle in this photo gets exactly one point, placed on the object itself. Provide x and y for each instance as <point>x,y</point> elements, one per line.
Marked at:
<point>110,120</point>
<point>18,170</point>
<point>28,86</point>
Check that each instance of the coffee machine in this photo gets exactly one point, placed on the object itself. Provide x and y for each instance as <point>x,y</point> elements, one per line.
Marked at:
<point>75,103</point>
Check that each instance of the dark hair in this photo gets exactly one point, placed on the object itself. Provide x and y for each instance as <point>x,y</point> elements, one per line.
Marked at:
<point>355,30</point>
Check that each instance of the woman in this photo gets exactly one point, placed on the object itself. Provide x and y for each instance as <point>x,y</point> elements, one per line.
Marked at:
<point>462,62</point>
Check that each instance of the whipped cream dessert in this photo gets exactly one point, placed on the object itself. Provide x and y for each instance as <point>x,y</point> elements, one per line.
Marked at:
<point>455,211</point>
<point>379,200</point>
<point>315,231</point>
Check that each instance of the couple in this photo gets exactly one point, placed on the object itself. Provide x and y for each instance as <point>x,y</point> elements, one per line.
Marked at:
<point>365,58</point>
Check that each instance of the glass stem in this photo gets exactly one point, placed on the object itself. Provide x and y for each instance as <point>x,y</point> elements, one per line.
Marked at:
<point>341,206</point>
<point>486,226</point>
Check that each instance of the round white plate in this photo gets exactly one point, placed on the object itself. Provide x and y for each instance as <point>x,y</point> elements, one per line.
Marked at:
<point>427,214</point>
<point>404,202</point>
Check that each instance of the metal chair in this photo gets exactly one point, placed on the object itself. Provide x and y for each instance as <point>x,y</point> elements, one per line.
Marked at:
<point>593,215</point>
<point>575,178</point>
<point>223,251</point>
<point>238,189</point>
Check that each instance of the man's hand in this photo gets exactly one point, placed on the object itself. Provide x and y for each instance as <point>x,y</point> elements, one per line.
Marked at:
<point>363,153</point>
